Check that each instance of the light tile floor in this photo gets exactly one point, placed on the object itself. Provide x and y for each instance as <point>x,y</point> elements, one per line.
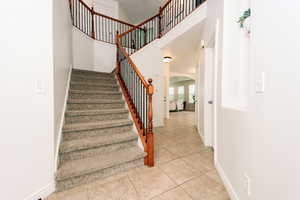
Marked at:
<point>183,170</point>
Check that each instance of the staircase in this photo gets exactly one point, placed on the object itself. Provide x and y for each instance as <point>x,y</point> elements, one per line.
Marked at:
<point>98,140</point>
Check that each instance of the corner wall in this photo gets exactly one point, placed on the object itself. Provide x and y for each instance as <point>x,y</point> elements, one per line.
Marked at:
<point>27,101</point>
<point>62,51</point>
<point>149,61</point>
<point>261,140</point>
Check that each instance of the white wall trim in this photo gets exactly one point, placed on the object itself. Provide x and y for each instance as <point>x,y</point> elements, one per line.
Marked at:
<point>62,120</point>
<point>43,192</point>
<point>228,185</point>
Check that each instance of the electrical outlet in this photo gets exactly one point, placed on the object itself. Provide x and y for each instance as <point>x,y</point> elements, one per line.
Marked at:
<point>260,83</point>
<point>40,88</point>
<point>247,184</point>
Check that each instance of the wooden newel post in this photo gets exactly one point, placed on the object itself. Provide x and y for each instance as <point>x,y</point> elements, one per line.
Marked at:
<point>93,24</point>
<point>150,137</point>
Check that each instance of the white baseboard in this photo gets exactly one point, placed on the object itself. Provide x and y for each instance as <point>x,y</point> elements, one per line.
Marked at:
<point>228,185</point>
<point>42,193</point>
<point>62,119</point>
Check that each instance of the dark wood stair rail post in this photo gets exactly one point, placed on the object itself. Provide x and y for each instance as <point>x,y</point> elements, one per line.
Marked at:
<point>150,138</point>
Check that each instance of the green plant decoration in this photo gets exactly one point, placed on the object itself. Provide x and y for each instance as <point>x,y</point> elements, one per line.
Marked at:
<point>242,19</point>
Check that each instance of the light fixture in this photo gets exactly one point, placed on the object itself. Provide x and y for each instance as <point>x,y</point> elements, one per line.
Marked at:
<point>167,59</point>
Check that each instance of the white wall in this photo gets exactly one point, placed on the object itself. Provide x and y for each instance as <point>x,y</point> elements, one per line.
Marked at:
<point>62,62</point>
<point>261,139</point>
<point>149,61</point>
<point>107,7</point>
<point>26,145</point>
<point>104,56</point>
<point>83,50</point>
<point>195,18</point>
<point>89,54</point>
<point>166,67</point>
<point>123,15</point>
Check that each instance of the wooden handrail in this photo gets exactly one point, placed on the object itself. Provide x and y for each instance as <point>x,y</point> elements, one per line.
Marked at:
<point>131,63</point>
<point>102,15</point>
<point>166,4</point>
<point>144,128</point>
<point>139,25</point>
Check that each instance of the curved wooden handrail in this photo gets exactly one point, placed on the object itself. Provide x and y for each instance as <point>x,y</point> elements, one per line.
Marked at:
<point>117,20</point>
<point>102,15</point>
<point>139,25</point>
<point>166,4</point>
<point>134,67</point>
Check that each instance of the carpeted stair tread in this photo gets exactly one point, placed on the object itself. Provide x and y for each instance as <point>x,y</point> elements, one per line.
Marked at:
<point>97,137</point>
<point>99,141</point>
<point>95,125</point>
<point>91,77</point>
<point>80,71</point>
<point>94,92</point>
<point>99,84</point>
<point>95,101</point>
<point>89,165</point>
<point>72,113</point>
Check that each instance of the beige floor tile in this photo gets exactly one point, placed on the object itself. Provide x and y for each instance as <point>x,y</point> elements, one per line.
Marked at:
<point>150,182</point>
<point>174,194</point>
<point>184,149</point>
<point>179,171</point>
<point>120,189</point>
<point>200,162</point>
<point>109,179</point>
<point>213,174</point>
<point>77,193</point>
<point>162,155</point>
<point>203,188</point>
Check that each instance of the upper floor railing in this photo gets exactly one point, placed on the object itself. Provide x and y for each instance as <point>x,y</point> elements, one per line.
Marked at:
<point>169,15</point>
<point>133,37</point>
<point>96,25</point>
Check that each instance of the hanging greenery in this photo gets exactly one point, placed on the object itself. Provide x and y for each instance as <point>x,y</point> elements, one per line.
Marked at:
<point>242,19</point>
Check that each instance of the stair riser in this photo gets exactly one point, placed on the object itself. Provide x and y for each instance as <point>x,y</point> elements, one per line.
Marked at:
<point>96,151</point>
<point>95,96</point>
<point>83,106</point>
<point>95,88</point>
<point>96,132</point>
<point>88,178</point>
<point>94,118</point>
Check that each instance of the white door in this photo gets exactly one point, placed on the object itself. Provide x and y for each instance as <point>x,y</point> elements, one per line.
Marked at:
<point>205,94</point>
<point>166,97</point>
<point>208,97</point>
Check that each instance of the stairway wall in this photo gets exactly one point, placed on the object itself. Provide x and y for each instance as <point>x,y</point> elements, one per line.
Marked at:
<point>149,61</point>
<point>89,54</point>
<point>63,62</point>
<point>26,144</point>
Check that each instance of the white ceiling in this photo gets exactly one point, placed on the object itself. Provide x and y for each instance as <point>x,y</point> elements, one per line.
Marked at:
<point>184,51</point>
<point>140,10</point>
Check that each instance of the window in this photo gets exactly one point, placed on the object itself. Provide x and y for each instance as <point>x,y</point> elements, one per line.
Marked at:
<point>181,94</point>
<point>171,94</point>
<point>191,93</point>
